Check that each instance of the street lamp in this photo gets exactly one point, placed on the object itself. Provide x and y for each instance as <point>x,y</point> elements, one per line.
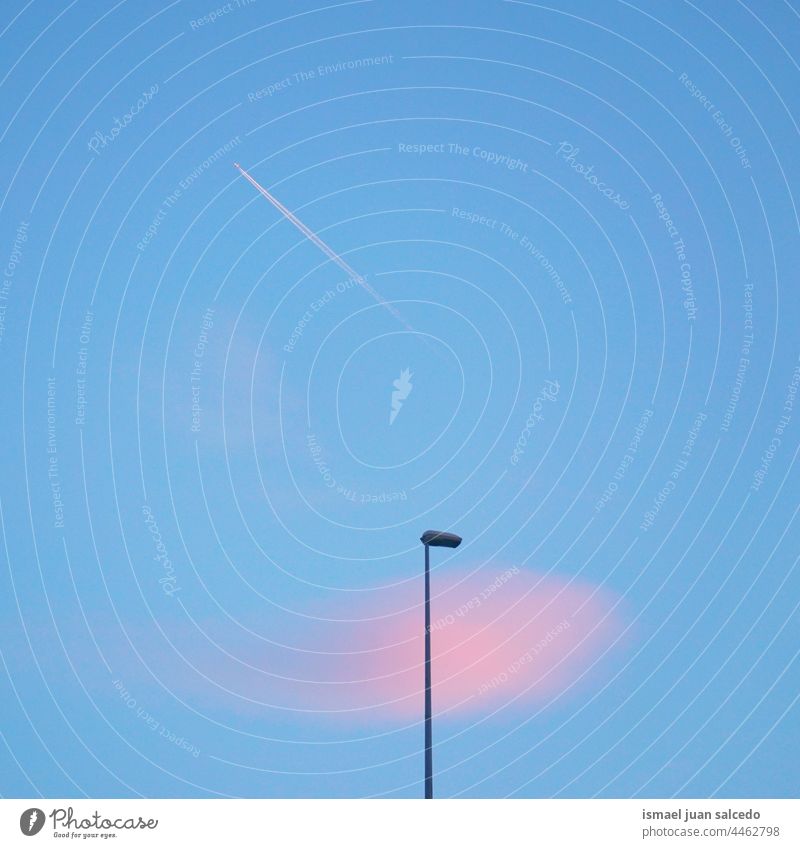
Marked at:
<point>437,539</point>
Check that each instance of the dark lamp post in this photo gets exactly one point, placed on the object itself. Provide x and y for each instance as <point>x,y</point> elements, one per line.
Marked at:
<point>435,539</point>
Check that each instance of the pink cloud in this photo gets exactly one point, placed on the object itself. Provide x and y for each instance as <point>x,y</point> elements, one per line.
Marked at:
<point>504,637</point>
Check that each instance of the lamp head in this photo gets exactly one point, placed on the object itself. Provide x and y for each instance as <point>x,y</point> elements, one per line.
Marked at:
<point>439,539</point>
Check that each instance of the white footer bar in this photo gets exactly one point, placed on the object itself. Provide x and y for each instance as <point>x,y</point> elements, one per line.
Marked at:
<point>402,824</point>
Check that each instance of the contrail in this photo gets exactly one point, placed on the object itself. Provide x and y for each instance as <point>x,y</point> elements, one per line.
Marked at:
<point>312,236</point>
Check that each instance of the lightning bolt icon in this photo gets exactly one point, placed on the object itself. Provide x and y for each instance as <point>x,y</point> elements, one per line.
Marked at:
<point>403,389</point>
<point>34,817</point>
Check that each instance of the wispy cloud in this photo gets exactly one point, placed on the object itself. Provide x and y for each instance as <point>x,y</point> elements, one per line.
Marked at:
<point>502,638</point>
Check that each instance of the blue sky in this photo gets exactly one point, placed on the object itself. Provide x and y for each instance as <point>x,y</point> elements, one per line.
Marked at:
<point>583,218</point>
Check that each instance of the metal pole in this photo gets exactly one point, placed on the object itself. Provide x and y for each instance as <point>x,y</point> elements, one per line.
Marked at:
<point>428,737</point>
